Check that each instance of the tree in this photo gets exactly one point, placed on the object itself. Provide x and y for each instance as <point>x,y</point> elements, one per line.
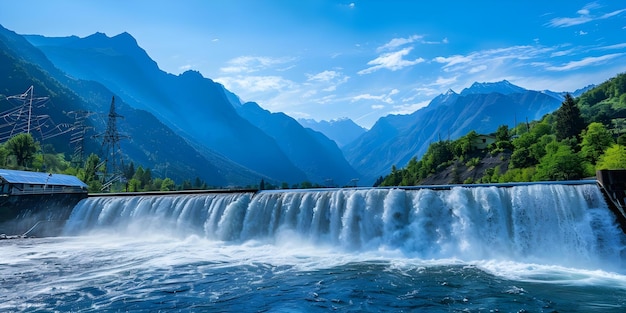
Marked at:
<point>23,147</point>
<point>464,145</point>
<point>129,170</point>
<point>503,134</point>
<point>569,122</point>
<point>91,168</point>
<point>595,139</point>
<point>4,153</point>
<point>614,158</point>
<point>560,163</point>
<point>168,184</point>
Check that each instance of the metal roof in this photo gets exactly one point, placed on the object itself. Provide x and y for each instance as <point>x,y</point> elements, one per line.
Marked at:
<point>37,178</point>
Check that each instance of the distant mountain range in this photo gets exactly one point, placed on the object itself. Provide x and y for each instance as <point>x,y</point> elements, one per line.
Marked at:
<point>342,131</point>
<point>395,139</point>
<point>201,111</point>
<point>186,125</point>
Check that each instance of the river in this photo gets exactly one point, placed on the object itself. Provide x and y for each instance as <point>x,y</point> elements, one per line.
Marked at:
<point>535,248</point>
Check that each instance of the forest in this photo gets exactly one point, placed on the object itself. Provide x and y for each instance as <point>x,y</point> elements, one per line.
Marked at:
<point>585,134</point>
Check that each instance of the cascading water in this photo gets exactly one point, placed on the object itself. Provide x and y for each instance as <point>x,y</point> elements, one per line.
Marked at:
<point>533,248</point>
<point>559,224</point>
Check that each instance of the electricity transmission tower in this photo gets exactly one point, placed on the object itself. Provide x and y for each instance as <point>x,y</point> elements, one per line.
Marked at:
<point>110,150</point>
<point>24,118</point>
<point>77,138</point>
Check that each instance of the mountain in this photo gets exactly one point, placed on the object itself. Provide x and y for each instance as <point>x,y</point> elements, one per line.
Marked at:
<point>561,95</point>
<point>395,139</point>
<point>342,131</point>
<point>309,150</point>
<point>151,144</point>
<point>504,87</point>
<point>206,114</point>
<point>195,107</point>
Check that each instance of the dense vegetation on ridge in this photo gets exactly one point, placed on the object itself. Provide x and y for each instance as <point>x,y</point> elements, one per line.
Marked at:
<point>585,134</point>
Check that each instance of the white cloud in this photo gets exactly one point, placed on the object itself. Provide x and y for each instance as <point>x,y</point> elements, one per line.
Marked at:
<point>409,108</point>
<point>582,33</point>
<point>584,16</point>
<point>324,76</point>
<point>185,67</point>
<point>392,61</point>
<point>326,80</point>
<point>378,106</point>
<point>612,47</point>
<point>584,62</point>
<point>398,42</point>
<point>252,84</point>
<point>477,69</point>
<point>453,60</point>
<point>386,98</point>
<point>561,53</point>
<point>250,64</point>
<point>444,81</point>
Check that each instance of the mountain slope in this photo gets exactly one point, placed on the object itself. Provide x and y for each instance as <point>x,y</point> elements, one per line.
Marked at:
<point>395,139</point>
<point>311,151</point>
<point>342,131</point>
<point>194,106</point>
<point>151,144</point>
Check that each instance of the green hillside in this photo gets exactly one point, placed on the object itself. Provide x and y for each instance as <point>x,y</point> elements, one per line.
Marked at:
<point>585,134</point>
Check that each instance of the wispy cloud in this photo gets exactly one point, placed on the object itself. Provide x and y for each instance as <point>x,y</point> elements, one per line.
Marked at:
<point>584,62</point>
<point>482,60</point>
<point>408,108</point>
<point>255,83</point>
<point>398,42</point>
<point>477,69</point>
<point>612,47</point>
<point>453,60</point>
<point>441,81</point>
<point>584,16</point>
<point>328,76</point>
<point>392,61</point>
<point>326,80</point>
<point>386,98</point>
<point>250,64</point>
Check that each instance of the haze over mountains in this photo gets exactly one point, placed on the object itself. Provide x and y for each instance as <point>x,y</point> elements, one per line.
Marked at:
<point>187,125</point>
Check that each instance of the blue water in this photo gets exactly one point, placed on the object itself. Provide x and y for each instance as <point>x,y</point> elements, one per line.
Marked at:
<point>523,249</point>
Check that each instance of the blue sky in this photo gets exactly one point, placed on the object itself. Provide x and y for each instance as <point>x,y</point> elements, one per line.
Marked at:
<point>326,59</point>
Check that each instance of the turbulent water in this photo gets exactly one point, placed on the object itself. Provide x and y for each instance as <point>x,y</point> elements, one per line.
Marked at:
<point>536,248</point>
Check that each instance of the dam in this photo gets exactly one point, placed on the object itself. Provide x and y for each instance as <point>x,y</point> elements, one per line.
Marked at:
<point>511,248</point>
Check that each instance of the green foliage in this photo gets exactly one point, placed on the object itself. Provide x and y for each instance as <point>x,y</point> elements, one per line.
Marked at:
<point>473,162</point>
<point>168,184</point>
<point>614,158</point>
<point>560,163</point>
<point>569,122</point>
<point>529,148</point>
<point>23,147</point>
<point>503,134</point>
<point>559,147</point>
<point>517,175</point>
<point>464,145</point>
<point>595,139</point>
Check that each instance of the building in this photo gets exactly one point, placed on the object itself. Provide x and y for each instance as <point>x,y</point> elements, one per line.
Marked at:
<point>33,203</point>
<point>483,141</point>
<point>14,182</point>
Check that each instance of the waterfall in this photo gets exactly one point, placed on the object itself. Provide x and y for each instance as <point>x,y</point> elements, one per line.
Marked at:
<point>532,223</point>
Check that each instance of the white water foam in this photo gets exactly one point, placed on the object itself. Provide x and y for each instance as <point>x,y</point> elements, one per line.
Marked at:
<point>568,226</point>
